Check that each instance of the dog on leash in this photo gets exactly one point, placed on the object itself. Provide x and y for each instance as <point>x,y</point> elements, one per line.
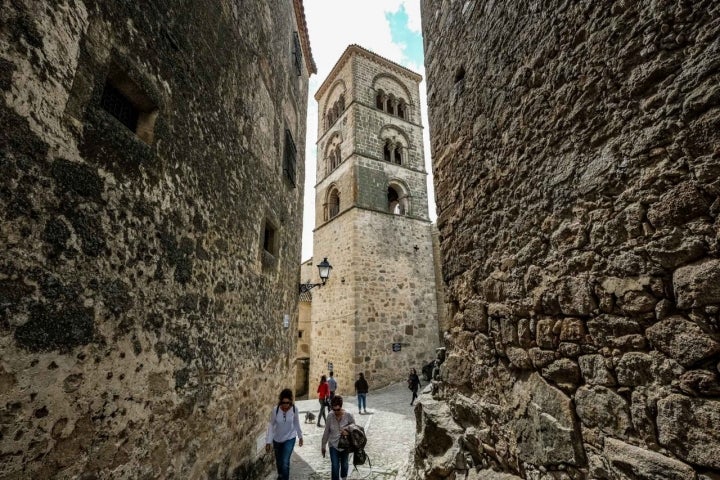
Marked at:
<point>309,417</point>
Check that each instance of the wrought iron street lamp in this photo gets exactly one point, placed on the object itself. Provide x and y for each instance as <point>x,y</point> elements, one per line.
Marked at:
<point>324,268</point>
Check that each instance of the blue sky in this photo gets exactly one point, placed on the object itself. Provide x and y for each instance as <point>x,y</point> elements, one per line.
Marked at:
<point>411,41</point>
<point>390,28</point>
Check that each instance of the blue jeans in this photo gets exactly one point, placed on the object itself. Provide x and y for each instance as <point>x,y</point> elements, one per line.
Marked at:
<point>283,451</point>
<point>339,463</point>
<point>362,406</point>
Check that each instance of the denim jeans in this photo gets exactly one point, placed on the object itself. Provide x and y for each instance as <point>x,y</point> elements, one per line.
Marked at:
<point>339,463</point>
<point>362,406</point>
<point>283,451</point>
<point>321,415</point>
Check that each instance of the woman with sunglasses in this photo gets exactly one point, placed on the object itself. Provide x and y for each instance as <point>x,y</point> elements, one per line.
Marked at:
<point>334,428</point>
<point>283,428</point>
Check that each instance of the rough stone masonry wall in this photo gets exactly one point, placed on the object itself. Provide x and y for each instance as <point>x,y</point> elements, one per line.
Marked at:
<point>140,325</point>
<point>577,154</point>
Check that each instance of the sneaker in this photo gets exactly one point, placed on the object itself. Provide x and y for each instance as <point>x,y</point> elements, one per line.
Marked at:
<point>366,412</point>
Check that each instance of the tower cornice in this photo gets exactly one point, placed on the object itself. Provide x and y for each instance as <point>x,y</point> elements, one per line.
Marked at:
<point>355,49</point>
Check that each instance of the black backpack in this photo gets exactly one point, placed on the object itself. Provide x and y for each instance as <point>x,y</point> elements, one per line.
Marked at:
<point>358,440</point>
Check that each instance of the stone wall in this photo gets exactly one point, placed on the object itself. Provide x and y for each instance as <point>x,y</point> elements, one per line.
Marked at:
<point>576,150</point>
<point>141,307</point>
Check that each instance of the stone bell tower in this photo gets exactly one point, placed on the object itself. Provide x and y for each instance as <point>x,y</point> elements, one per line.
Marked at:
<point>378,312</point>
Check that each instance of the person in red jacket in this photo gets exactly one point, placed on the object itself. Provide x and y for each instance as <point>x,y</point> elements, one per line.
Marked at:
<point>323,391</point>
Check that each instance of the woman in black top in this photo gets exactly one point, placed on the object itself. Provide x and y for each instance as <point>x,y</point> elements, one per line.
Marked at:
<point>413,384</point>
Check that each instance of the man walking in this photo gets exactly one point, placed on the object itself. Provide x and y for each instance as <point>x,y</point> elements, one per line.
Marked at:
<point>361,388</point>
<point>332,383</point>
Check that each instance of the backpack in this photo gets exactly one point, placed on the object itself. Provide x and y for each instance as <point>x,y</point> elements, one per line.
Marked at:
<point>358,440</point>
<point>357,437</point>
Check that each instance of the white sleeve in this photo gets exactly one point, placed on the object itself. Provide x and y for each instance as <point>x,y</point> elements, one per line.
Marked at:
<point>297,423</point>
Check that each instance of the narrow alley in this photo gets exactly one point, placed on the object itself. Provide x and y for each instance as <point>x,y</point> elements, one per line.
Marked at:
<point>390,429</point>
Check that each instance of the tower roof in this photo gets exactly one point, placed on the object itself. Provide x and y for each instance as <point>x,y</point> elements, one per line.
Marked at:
<point>355,49</point>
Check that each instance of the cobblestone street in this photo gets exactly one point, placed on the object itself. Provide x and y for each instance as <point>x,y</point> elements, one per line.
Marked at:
<point>390,429</point>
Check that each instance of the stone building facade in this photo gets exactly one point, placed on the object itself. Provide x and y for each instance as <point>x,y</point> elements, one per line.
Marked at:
<point>151,204</point>
<point>372,224</point>
<point>576,150</point>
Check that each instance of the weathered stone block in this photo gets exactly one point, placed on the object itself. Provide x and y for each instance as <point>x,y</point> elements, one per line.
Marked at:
<point>545,424</point>
<point>475,316</point>
<point>572,330</point>
<point>697,285</point>
<point>600,407</point>
<point>644,464</point>
<point>596,371</point>
<point>682,340</point>
<point>682,203</point>
<point>575,296</point>
<point>700,382</point>
<point>541,358</point>
<point>681,424</point>
<point>518,357</point>
<point>564,372</point>
<point>605,328</point>
<point>544,335</point>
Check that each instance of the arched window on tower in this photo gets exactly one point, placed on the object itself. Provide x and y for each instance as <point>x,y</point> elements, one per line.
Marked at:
<point>380,100</point>
<point>401,109</point>
<point>387,152</point>
<point>341,103</point>
<point>395,206</point>
<point>397,154</point>
<point>333,204</point>
<point>392,105</point>
<point>337,157</point>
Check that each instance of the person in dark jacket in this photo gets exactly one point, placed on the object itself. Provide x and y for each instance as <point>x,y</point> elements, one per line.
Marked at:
<point>413,384</point>
<point>361,388</point>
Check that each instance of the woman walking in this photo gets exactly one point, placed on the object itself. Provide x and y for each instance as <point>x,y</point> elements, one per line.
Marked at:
<point>413,384</point>
<point>334,429</point>
<point>284,426</point>
<point>323,391</point>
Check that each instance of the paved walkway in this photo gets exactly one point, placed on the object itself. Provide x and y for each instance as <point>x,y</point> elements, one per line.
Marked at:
<point>390,429</point>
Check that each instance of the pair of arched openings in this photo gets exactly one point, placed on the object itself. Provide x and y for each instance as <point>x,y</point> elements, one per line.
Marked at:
<point>333,156</point>
<point>387,102</point>
<point>398,200</point>
<point>392,152</point>
<point>334,112</point>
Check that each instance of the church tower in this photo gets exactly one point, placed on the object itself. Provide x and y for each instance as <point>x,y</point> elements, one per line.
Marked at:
<point>378,312</point>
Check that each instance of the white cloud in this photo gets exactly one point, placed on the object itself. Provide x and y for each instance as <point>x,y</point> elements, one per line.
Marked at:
<point>332,26</point>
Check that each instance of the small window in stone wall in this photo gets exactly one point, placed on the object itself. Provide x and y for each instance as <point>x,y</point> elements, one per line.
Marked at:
<point>270,245</point>
<point>125,101</point>
<point>297,53</point>
<point>290,158</point>
<point>300,333</point>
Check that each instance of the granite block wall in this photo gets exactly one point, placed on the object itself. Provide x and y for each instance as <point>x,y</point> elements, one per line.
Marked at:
<point>150,234</point>
<point>576,155</point>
